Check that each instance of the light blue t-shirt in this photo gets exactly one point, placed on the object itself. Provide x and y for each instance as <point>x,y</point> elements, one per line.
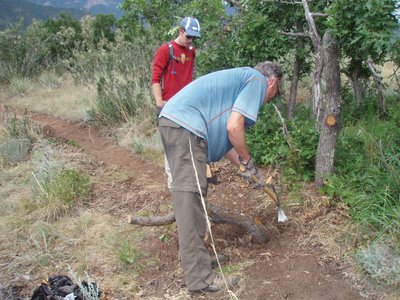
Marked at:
<point>204,106</point>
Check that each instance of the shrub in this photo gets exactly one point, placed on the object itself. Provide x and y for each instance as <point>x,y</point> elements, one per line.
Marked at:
<point>59,189</point>
<point>18,138</point>
<point>15,150</point>
<point>120,71</point>
<point>294,153</point>
<point>62,192</point>
<point>50,79</point>
<point>381,261</point>
<point>19,86</point>
<point>23,54</point>
<point>367,174</point>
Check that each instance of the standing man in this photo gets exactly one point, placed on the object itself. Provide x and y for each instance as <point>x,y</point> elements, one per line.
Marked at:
<point>206,121</point>
<point>173,66</point>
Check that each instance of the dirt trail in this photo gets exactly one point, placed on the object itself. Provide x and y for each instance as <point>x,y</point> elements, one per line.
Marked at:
<point>283,268</point>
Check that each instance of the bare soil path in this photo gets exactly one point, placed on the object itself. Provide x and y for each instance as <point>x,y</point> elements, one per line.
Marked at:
<point>286,267</point>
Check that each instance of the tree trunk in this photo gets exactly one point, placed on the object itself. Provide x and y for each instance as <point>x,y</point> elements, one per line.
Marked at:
<point>381,93</point>
<point>317,104</point>
<point>294,83</point>
<point>331,120</point>
<point>218,215</point>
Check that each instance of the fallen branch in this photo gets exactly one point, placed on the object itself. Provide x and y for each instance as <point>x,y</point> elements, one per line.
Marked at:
<point>218,215</point>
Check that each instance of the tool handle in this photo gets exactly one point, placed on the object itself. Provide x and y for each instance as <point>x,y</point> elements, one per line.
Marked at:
<point>272,194</point>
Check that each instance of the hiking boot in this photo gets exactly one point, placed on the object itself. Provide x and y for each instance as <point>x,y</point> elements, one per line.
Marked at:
<point>219,284</point>
<point>221,259</point>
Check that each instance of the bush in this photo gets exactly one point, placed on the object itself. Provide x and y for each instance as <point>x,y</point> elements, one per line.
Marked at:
<point>18,138</point>
<point>15,150</point>
<point>19,86</point>
<point>120,71</point>
<point>62,192</point>
<point>367,174</point>
<point>24,54</point>
<point>295,154</point>
<point>381,261</point>
<point>59,189</point>
<point>50,79</point>
<point>17,127</point>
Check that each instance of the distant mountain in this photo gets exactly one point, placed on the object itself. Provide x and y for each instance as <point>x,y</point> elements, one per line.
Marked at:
<point>12,10</point>
<point>91,6</point>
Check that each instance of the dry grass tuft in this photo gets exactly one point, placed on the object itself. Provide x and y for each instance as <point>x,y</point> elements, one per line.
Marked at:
<point>70,100</point>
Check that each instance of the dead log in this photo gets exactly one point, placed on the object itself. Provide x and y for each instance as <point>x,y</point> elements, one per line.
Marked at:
<point>218,215</point>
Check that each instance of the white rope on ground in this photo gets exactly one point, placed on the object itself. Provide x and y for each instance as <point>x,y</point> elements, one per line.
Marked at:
<point>231,294</point>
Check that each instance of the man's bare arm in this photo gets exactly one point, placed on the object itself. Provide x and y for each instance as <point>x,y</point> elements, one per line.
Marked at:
<point>157,93</point>
<point>237,135</point>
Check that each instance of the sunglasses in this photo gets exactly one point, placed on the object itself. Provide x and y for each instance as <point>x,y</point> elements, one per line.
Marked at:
<point>190,37</point>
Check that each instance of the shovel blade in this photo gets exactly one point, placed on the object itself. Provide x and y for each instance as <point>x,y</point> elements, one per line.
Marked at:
<point>281,216</point>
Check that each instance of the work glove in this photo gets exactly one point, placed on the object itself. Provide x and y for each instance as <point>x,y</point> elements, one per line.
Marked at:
<point>251,174</point>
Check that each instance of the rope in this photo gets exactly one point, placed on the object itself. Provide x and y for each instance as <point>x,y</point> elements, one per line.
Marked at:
<point>203,203</point>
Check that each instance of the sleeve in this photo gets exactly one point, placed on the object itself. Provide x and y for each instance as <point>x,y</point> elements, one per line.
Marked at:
<point>160,61</point>
<point>250,99</point>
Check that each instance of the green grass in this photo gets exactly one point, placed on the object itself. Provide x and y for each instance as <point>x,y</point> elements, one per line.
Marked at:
<point>50,80</point>
<point>61,193</point>
<point>20,86</point>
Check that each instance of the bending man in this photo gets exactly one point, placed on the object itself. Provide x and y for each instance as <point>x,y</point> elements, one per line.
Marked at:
<point>204,122</point>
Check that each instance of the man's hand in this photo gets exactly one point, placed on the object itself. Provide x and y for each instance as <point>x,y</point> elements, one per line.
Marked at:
<point>158,111</point>
<point>249,172</point>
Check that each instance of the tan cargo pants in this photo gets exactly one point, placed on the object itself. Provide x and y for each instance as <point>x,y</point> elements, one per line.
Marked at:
<point>189,212</point>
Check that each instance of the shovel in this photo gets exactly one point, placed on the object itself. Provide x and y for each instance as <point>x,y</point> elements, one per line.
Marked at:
<point>270,190</point>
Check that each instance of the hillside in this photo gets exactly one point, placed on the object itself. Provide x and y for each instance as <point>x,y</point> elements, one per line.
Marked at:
<point>91,6</point>
<point>11,11</point>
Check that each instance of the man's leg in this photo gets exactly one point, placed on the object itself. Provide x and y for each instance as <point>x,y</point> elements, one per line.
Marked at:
<point>191,223</point>
<point>189,212</point>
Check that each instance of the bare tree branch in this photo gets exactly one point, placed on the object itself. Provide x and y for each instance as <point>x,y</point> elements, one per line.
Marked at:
<point>297,34</point>
<point>316,39</point>
<point>319,14</point>
<point>288,2</point>
<point>284,127</point>
<point>218,215</point>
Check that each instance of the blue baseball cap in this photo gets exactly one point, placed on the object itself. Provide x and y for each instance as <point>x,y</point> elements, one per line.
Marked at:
<point>191,26</point>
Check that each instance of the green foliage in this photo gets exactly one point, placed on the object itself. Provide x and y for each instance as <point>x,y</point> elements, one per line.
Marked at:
<point>65,34</point>
<point>129,255</point>
<point>120,70</point>
<point>269,145</point>
<point>58,188</point>
<point>19,86</point>
<point>62,192</point>
<point>17,127</point>
<point>69,185</point>
<point>50,79</point>
<point>351,113</point>
<point>104,26</point>
<point>368,172</point>
<point>23,54</point>
<point>154,18</point>
<point>363,27</point>
<point>243,39</point>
